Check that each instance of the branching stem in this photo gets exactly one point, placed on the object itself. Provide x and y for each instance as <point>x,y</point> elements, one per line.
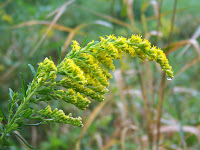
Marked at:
<point>19,110</point>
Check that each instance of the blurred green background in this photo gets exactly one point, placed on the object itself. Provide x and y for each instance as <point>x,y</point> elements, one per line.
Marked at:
<point>141,100</point>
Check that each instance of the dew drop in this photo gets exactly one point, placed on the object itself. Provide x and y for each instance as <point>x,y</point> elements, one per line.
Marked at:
<point>169,78</point>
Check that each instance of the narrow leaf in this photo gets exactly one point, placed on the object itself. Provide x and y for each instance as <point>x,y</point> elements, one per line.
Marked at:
<point>83,42</point>
<point>0,120</point>
<point>182,135</point>
<point>2,115</point>
<point>32,70</point>
<point>11,93</point>
<point>89,121</point>
<point>23,87</point>
<point>59,53</point>
<point>29,146</point>
<point>103,23</point>
<point>36,124</point>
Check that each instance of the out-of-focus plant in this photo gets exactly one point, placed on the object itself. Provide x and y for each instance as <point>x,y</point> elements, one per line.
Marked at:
<point>80,76</point>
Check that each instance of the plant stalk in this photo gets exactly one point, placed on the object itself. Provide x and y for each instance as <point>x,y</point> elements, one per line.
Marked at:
<point>161,96</point>
<point>21,107</point>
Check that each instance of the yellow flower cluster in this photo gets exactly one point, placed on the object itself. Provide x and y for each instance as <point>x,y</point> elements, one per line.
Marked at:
<point>75,46</point>
<point>68,83</point>
<point>84,72</point>
<point>112,48</point>
<point>46,69</point>
<point>71,70</point>
<point>160,57</point>
<point>73,97</point>
<point>144,51</point>
<point>46,66</point>
<point>86,68</point>
<point>60,117</point>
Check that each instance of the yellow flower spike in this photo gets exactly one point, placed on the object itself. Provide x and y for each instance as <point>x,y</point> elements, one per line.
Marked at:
<point>106,60</point>
<point>75,46</point>
<point>90,43</point>
<point>136,39</point>
<point>54,111</point>
<point>84,71</point>
<point>47,110</point>
<point>153,53</point>
<point>41,79</point>
<point>111,36</point>
<point>145,45</point>
<point>60,117</point>
<point>46,66</point>
<point>61,91</point>
<point>121,40</point>
<point>66,82</point>
<point>73,97</point>
<point>71,70</point>
<point>112,50</point>
<point>102,39</point>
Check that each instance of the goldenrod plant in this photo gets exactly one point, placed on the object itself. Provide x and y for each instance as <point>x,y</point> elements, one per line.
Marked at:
<point>81,76</point>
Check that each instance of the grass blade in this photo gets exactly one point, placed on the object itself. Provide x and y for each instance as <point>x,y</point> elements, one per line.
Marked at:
<point>110,144</point>
<point>3,115</point>
<point>24,141</point>
<point>187,66</point>
<point>119,80</point>
<point>59,53</point>
<point>32,70</point>
<point>47,23</point>
<point>84,41</point>
<point>70,37</point>
<point>23,85</point>
<point>89,121</point>
<point>59,14</point>
<point>130,12</point>
<point>111,19</point>
<point>11,93</point>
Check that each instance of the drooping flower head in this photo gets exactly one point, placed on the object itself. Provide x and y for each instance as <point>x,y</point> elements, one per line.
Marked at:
<point>83,75</point>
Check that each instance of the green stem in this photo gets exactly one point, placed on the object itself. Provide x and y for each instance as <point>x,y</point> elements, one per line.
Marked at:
<point>2,138</point>
<point>21,107</point>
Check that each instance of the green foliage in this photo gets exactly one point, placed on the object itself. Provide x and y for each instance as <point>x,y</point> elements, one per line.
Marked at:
<point>21,29</point>
<point>83,73</point>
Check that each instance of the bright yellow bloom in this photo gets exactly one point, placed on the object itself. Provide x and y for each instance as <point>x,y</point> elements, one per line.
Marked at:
<point>60,117</point>
<point>71,70</point>
<point>75,46</point>
<point>84,72</point>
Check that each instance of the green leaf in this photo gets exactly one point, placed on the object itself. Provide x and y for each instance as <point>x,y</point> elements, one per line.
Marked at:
<point>83,42</point>
<point>2,115</point>
<point>59,53</point>
<point>44,91</point>
<point>28,145</point>
<point>23,87</point>
<point>95,42</point>
<point>36,124</point>
<point>27,113</point>
<point>32,70</point>
<point>61,73</point>
<point>5,142</point>
<point>1,119</point>
<point>181,132</point>
<point>11,93</point>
